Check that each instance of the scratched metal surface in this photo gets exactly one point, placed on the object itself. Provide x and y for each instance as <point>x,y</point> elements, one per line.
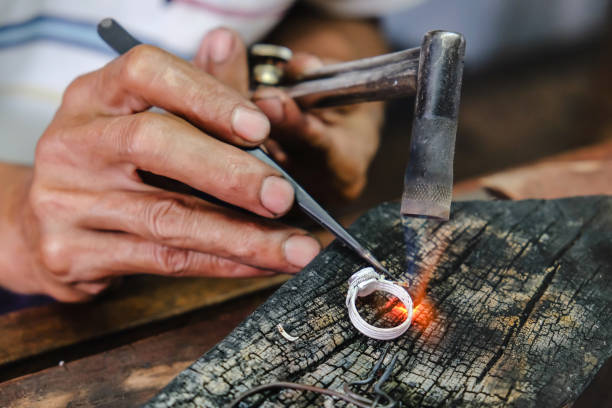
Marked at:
<point>515,310</point>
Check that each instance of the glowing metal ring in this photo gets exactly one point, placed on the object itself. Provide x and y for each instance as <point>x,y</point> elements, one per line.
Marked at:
<point>364,282</point>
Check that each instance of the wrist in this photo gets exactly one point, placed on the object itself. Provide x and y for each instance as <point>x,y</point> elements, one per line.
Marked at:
<point>16,268</point>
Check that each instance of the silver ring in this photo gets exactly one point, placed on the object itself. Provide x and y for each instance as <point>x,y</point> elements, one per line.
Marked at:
<point>363,283</point>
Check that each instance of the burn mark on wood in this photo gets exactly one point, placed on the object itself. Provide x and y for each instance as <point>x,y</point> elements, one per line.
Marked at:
<point>515,309</point>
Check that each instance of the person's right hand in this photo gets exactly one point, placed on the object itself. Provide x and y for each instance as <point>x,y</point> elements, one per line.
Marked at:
<point>89,217</point>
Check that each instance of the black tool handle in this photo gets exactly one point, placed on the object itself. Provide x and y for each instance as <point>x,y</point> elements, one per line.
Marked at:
<point>117,37</point>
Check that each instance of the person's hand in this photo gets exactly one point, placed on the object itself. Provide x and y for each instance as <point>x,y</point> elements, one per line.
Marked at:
<point>328,150</point>
<point>87,215</point>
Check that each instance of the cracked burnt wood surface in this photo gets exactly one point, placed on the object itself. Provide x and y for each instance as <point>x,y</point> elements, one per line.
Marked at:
<point>515,309</point>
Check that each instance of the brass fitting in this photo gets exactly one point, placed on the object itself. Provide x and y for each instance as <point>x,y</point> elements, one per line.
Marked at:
<point>268,62</point>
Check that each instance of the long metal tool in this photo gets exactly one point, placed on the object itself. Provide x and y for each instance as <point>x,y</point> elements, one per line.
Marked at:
<point>376,78</point>
<point>122,41</point>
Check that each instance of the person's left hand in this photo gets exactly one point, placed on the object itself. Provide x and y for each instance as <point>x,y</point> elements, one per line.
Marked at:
<point>328,150</point>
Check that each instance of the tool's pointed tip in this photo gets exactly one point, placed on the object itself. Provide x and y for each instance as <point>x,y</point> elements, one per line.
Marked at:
<point>368,256</point>
<point>377,265</point>
<point>386,272</point>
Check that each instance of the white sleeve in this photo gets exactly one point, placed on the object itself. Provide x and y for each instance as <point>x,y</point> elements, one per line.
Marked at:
<point>362,8</point>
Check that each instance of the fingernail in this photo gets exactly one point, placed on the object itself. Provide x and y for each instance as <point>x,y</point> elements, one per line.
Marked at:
<point>250,124</point>
<point>276,195</point>
<point>300,250</point>
<point>273,108</point>
<point>311,64</point>
<point>221,44</point>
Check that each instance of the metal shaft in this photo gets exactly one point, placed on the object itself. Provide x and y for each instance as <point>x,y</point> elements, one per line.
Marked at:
<point>428,182</point>
<point>315,211</point>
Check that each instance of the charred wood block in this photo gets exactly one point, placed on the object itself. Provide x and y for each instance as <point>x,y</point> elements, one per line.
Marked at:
<point>514,309</point>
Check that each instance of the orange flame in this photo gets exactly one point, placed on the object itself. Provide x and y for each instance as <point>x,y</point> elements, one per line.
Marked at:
<point>422,314</point>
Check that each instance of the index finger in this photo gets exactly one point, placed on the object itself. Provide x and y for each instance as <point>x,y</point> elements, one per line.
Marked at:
<point>147,76</point>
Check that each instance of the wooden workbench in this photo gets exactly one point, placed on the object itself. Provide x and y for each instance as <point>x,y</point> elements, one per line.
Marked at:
<point>121,349</point>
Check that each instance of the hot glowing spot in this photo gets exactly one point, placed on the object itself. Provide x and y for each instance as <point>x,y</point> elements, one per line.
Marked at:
<point>423,314</point>
<point>396,310</point>
<point>400,311</point>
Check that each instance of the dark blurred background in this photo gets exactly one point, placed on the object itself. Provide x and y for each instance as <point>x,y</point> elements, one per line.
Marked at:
<point>537,82</point>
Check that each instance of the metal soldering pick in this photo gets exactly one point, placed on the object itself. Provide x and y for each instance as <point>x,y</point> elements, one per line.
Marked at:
<point>318,213</point>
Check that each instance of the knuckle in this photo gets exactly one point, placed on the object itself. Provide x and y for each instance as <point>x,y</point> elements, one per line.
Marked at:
<point>74,91</point>
<point>138,63</point>
<point>245,250</point>
<point>139,136</point>
<point>56,143</point>
<point>166,218</point>
<point>250,244</point>
<point>37,199</point>
<point>46,149</point>
<point>132,137</point>
<point>235,177</point>
<point>172,261</point>
<point>43,202</point>
<point>55,255</point>
<point>217,265</point>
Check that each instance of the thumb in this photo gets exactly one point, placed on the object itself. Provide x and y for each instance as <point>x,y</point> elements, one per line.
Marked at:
<point>223,55</point>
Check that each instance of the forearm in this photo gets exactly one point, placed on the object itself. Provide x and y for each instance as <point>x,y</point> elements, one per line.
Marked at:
<point>14,182</point>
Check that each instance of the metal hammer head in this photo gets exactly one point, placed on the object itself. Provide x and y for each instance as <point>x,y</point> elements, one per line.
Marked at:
<point>428,183</point>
